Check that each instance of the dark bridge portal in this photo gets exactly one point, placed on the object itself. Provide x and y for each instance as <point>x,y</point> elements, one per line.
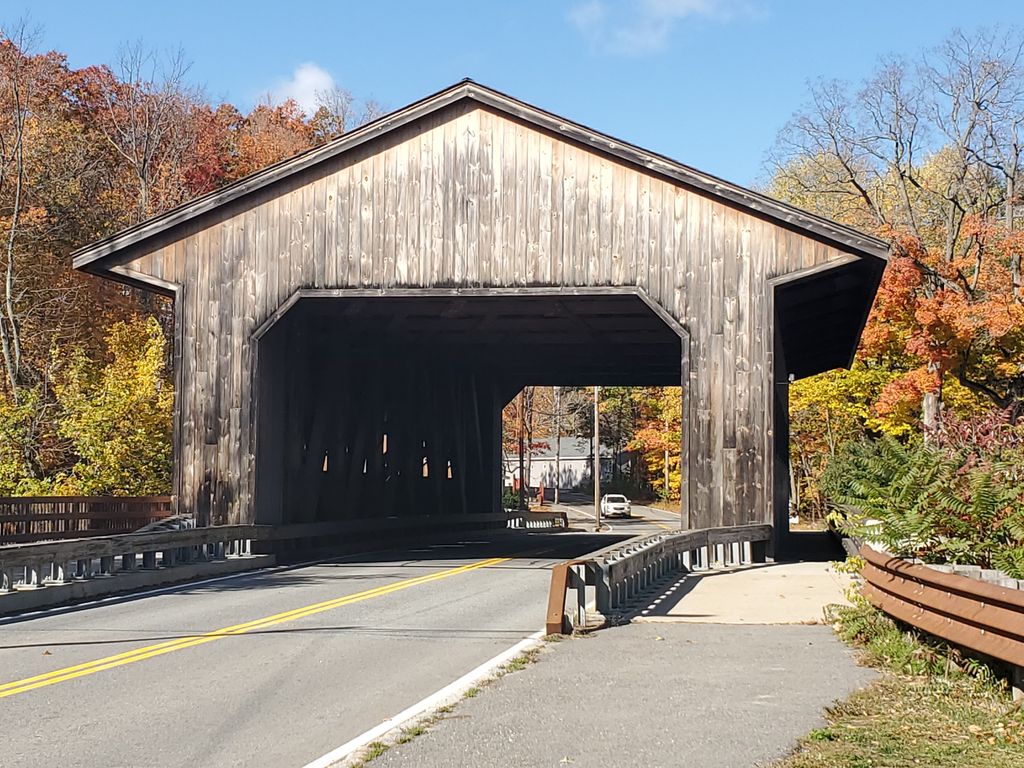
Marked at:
<point>390,406</point>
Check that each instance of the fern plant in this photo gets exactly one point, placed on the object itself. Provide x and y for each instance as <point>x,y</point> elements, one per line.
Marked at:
<point>937,505</point>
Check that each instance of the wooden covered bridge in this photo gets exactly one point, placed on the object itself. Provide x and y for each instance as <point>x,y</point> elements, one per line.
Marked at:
<point>351,321</point>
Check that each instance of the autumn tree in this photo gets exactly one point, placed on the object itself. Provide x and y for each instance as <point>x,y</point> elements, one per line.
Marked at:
<point>144,111</point>
<point>927,154</point>
<point>117,416</point>
<point>84,152</point>
<point>338,112</point>
<point>658,438</point>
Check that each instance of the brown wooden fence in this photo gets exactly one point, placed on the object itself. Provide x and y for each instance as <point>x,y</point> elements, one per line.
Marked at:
<point>25,519</point>
<point>982,617</point>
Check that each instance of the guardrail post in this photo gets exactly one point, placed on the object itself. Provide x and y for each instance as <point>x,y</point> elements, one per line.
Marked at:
<point>34,576</point>
<point>167,558</point>
<point>107,566</point>
<point>602,589</point>
<point>7,580</point>
<point>128,561</point>
<point>759,551</point>
<point>580,580</point>
<point>83,568</point>
<point>62,571</point>
<point>149,560</point>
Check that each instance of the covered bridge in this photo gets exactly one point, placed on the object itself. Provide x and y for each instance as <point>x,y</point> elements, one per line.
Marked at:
<point>351,321</point>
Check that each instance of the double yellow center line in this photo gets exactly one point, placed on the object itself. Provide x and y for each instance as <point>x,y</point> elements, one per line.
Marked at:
<point>149,651</point>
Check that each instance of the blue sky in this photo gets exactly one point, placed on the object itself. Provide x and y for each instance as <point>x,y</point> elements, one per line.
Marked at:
<point>707,82</point>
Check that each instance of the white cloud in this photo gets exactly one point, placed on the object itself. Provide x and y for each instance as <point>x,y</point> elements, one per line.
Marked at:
<point>639,27</point>
<point>308,80</point>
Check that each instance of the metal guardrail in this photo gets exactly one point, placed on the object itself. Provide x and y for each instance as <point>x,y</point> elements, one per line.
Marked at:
<point>25,519</point>
<point>61,562</point>
<point>973,614</point>
<point>611,577</point>
<point>537,520</point>
<point>36,565</point>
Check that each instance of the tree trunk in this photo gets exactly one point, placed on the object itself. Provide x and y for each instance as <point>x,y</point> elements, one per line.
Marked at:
<point>931,407</point>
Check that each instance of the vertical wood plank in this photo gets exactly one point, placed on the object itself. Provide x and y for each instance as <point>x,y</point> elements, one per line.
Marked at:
<point>473,194</point>
<point>543,205</point>
<point>487,218</point>
<point>606,222</point>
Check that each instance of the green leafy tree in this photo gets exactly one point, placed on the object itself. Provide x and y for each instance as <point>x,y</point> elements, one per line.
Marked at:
<point>118,417</point>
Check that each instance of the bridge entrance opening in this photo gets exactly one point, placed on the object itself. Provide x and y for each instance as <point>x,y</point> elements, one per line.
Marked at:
<point>372,407</point>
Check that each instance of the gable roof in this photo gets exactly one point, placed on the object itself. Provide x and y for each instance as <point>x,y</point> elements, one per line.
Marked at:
<point>785,215</point>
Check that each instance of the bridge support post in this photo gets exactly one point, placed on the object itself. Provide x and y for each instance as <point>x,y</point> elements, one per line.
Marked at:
<point>62,572</point>
<point>759,551</point>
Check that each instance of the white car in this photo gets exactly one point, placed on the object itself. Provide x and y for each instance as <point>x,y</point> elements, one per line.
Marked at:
<point>615,505</point>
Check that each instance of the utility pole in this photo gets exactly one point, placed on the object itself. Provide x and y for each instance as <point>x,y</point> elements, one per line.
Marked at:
<point>558,440</point>
<point>597,457</point>
<point>522,429</point>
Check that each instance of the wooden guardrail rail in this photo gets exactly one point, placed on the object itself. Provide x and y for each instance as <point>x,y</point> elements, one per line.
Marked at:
<point>567,577</point>
<point>25,519</point>
<point>618,573</point>
<point>984,618</point>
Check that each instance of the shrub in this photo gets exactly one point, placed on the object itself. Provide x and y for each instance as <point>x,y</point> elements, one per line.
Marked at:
<point>956,500</point>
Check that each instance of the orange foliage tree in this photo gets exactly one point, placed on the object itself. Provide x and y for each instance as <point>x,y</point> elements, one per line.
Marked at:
<point>83,153</point>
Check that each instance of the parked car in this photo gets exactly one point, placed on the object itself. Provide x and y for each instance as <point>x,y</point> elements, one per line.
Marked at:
<point>615,505</point>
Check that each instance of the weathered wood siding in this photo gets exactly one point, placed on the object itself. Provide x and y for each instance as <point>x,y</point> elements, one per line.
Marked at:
<point>469,197</point>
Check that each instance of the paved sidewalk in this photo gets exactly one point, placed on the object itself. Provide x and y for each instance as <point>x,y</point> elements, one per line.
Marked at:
<point>654,695</point>
<point>776,593</point>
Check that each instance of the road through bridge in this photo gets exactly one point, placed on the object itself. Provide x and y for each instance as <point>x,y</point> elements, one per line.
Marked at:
<point>275,667</point>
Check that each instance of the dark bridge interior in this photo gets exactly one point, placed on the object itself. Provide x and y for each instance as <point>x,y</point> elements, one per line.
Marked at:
<point>385,406</point>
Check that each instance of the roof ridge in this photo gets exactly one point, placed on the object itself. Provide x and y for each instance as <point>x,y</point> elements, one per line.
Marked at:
<point>782,213</point>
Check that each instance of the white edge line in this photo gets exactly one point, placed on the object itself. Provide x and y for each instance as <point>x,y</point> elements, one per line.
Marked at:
<point>447,695</point>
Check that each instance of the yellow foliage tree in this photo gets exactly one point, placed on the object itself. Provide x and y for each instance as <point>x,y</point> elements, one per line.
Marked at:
<point>118,417</point>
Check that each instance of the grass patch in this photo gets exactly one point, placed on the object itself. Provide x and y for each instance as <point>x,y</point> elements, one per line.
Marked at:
<point>933,707</point>
<point>472,693</point>
<point>408,734</point>
<point>372,751</point>
<point>520,662</point>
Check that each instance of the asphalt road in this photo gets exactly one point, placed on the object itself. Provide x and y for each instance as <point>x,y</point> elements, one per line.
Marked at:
<point>644,521</point>
<point>302,660</point>
<point>658,696</point>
